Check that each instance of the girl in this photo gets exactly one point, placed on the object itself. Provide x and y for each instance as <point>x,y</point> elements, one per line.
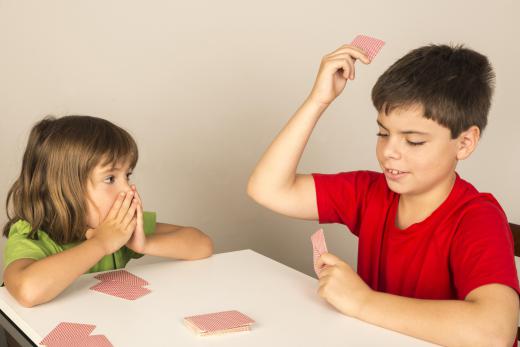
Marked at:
<point>73,210</point>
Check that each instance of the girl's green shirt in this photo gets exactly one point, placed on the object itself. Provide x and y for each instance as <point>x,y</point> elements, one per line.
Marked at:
<point>20,246</point>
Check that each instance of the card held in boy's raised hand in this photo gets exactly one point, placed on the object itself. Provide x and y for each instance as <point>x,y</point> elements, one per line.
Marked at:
<point>318,248</point>
<point>219,323</point>
<point>370,45</point>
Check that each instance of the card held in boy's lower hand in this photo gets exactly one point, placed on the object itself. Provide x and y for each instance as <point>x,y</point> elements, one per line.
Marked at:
<point>370,45</point>
<point>219,322</point>
<point>318,248</point>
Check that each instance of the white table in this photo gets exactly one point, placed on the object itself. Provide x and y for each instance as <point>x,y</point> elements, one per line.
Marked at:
<point>283,302</point>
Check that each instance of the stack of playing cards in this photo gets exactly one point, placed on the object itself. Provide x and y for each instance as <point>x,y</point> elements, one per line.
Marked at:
<point>122,284</point>
<point>68,334</point>
<point>318,248</point>
<point>371,46</point>
<point>219,323</point>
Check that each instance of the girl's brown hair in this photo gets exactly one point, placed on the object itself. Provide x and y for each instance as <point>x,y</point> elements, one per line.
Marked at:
<point>61,153</point>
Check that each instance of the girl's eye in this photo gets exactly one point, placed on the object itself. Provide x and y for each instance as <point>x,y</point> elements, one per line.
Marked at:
<point>128,176</point>
<point>415,143</point>
<point>109,179</point>
<point>382,135</point>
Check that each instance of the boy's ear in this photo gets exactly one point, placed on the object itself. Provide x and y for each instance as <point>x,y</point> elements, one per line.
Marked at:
<point>467,142</point>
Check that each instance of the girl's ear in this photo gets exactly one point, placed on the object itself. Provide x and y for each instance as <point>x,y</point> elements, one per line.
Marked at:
<point>467,142</point>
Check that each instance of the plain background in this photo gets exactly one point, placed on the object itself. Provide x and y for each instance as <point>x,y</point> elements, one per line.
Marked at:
<point>204,86</point>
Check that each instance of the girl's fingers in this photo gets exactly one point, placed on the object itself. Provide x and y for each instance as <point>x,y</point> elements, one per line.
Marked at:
<point>130,214</point>
<point>125,205</point>
<point>131,226</point>
<point>114,210</point>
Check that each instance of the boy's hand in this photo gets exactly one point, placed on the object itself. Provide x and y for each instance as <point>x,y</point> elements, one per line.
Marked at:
<point>335,69</point>
<point>119,224</point>
<point>138,240</point>
<point>341,286</point>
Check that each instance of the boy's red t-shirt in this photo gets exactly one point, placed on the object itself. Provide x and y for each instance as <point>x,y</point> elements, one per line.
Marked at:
<point>464,244</point>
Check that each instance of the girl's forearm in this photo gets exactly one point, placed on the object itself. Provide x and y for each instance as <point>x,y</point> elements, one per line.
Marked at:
<point>183,243</point>
<point>45,279</point>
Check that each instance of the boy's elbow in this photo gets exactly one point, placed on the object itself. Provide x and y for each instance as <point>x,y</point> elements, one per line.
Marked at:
<point>493,335</point>
<point>259,194</point>
<point>251,189</point>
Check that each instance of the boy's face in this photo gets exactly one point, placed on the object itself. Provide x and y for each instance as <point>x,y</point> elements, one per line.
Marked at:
<point>103,187</point>
<point>417,155</point>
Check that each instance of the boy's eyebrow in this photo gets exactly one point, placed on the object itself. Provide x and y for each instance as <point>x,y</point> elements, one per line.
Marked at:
<point>406,132</point>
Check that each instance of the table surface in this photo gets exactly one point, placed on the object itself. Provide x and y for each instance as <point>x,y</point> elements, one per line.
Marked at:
<point>282,301</point>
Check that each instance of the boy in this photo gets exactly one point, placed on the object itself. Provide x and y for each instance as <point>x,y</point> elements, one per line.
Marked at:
<point>435,257</point>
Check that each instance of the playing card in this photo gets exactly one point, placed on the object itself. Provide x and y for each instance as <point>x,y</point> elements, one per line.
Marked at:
<point>122,276</point>
<point>370,45</point>
<point>318,248</point>
<point>97,341</point>
<point>121,290</point>
<point>66,331</point>
<point>219,322</point>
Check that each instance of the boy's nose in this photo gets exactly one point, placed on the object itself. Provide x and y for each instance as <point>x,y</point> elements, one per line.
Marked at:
<point>391,150</point>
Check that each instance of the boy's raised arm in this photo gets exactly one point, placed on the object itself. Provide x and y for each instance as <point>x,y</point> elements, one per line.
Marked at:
<point>274,182</point>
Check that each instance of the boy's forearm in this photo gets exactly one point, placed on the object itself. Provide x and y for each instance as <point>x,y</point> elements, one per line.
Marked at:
<point>444,322</point>
<point>276,169</point>
<point>45,279</point>
<point>184,243</point>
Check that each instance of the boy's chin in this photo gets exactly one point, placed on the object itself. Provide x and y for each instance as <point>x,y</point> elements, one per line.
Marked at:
<point>397,188</point>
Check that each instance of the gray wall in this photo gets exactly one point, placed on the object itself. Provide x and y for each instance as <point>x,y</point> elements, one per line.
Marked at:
<point>205,85</point>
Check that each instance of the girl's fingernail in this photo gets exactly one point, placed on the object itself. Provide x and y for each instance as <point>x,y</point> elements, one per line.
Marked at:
<point>122,194</point>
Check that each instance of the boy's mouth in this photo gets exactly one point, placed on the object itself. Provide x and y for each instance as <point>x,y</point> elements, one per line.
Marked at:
<point>394,174</point>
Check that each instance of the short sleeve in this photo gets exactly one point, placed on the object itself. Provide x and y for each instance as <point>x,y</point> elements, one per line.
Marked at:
<point>482,251</point>
<point>340,197</point>
<point>149,222</point>
<point>20,246</point>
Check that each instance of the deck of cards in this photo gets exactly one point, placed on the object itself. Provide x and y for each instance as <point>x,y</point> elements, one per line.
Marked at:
<point>219,323</point>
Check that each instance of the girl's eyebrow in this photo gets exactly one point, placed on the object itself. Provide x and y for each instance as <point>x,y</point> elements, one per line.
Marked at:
<point>405,132</point>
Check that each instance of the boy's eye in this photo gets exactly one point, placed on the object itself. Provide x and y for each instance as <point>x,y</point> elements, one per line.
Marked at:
<point>382,135</point>
<point>128,176</point>
<point>411,143</point>
<point>109,179</point>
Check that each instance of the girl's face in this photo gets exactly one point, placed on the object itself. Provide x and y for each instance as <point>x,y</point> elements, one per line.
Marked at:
<point>103,187</point>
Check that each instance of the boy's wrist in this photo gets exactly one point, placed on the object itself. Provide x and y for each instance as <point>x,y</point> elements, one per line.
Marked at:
<point>315,105</point>
<point>364,304</point>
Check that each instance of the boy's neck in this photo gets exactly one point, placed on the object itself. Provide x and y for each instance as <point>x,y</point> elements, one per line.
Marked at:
<point>416,208</point>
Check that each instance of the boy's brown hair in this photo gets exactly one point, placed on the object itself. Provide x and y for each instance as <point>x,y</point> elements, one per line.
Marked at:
<point>61,153</point>
<point>453,84</point>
